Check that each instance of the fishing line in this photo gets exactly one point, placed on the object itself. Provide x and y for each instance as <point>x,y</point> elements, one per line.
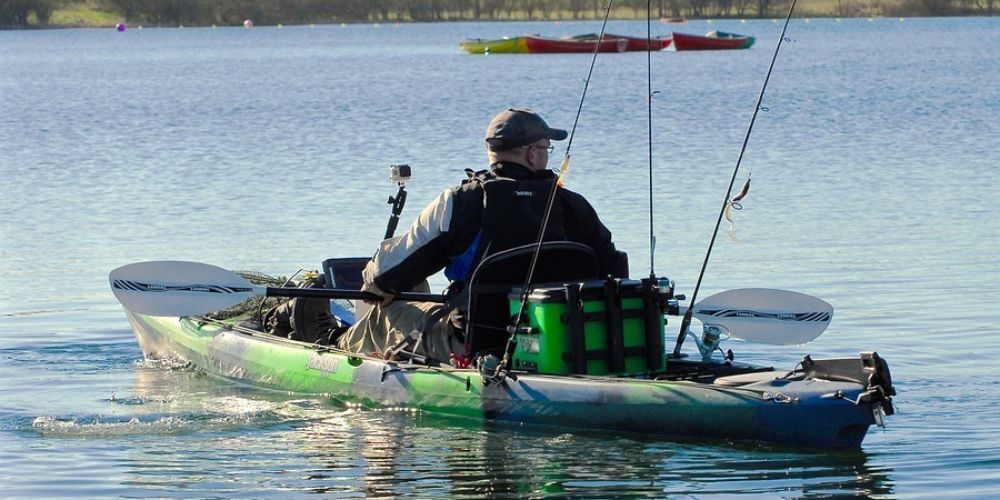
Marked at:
<point>686,322</point>
<point>586,85</point>
<point>563,168</point>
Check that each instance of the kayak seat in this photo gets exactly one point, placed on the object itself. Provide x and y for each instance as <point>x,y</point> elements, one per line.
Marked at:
<point>345,273</point>
<point>488,305</point>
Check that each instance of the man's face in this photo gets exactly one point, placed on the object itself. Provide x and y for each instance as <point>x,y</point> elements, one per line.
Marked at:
<point>537,154</point>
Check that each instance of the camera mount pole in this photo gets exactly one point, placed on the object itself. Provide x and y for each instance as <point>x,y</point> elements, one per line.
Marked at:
<point>398,174</point>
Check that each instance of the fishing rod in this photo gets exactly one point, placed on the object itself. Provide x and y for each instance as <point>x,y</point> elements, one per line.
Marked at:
<point>686,322</point>
<point>563,168</point>
<point>649,129</point>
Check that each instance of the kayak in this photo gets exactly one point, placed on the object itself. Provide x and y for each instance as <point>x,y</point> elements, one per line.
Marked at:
<point>821,404</point>
<point>543,45</point>
<point>715,40</point>
<point>515,45</point>
<point>634,44</point>
<point>583,353</point>
<point>748,41</point>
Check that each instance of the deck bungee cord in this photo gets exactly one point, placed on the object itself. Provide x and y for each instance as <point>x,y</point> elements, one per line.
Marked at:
<point>727,201</point>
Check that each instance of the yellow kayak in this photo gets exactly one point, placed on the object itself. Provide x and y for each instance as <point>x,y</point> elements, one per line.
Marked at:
<point>506,45</point>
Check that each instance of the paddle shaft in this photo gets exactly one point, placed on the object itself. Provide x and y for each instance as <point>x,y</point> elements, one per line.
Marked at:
<point>333,293</point>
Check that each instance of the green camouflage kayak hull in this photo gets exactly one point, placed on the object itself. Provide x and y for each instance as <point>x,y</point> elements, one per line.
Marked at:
<point>721,400</point>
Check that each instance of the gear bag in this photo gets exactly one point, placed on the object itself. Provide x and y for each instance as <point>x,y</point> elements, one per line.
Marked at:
<point>300,318</point>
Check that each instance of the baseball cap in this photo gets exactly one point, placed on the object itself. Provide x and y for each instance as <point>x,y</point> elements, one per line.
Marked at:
<point>519,127</point>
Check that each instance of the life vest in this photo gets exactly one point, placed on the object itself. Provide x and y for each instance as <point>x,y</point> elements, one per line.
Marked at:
<point>513,212</point>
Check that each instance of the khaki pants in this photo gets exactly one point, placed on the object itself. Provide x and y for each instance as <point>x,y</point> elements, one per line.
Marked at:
<point>383,327</point>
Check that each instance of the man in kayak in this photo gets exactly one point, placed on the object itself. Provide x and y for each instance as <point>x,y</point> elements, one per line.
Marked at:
<point>491,211</point>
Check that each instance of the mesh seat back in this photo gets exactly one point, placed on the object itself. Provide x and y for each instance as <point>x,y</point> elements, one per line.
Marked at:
<point>489,309</point>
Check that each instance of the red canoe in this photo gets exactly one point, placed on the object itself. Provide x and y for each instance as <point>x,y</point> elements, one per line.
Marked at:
<point>634,44</point>
<point>714,41</point>
<point>542,45</point>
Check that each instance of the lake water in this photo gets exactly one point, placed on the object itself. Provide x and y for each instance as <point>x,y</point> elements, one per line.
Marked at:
<point>875,169</point>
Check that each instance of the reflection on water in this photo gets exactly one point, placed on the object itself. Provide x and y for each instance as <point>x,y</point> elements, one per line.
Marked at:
<point>161,429</point>
<point>167,430</point>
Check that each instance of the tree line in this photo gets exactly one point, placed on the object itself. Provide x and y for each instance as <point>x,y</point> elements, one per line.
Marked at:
<point>20,13</point>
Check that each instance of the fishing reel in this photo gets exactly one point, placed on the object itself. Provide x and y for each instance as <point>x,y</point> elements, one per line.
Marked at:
<point>491,369</point>
<point>708,343</point>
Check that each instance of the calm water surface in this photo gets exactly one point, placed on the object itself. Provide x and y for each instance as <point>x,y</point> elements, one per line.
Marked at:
<point>874,170</point>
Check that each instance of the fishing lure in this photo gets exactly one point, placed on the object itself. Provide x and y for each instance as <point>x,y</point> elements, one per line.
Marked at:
<point>734,204</point>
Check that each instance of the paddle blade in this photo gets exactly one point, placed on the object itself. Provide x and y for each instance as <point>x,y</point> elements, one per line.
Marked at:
<point>177,288</point>
<point>778,317</point>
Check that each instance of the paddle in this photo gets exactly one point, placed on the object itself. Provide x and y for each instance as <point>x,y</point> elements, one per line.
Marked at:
<point>777,317</point>
<point>178,288</point>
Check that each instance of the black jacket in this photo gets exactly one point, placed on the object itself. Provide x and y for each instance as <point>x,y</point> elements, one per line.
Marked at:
<point>492,211</point>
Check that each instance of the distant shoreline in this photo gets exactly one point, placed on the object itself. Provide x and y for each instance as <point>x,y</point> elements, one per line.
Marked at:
<point>77,14</point>
<point>53,26</point>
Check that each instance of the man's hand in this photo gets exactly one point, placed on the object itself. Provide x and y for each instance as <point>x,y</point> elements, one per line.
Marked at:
<point>386,298</point>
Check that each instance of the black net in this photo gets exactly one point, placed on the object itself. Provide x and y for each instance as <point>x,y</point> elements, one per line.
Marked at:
<point>251,308</point>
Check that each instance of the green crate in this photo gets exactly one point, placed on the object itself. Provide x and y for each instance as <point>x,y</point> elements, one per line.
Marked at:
<point>544,346</point>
